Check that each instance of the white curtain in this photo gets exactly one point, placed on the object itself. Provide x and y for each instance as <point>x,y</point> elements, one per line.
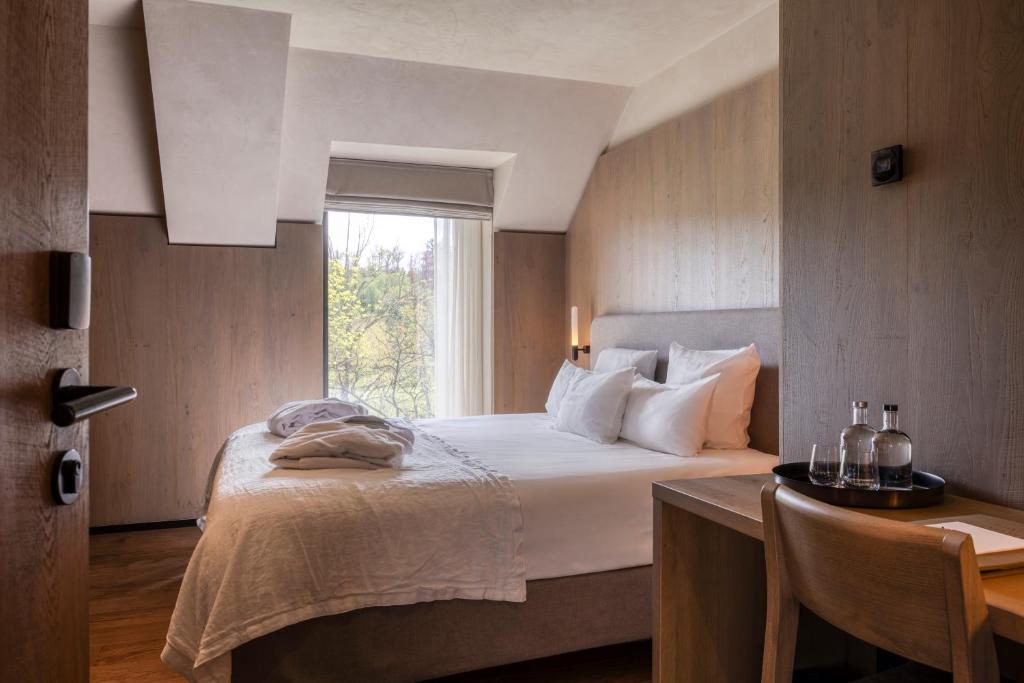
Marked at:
<point>463,349</point>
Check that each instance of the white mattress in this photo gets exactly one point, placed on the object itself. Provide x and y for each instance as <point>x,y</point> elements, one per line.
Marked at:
<point>586,507</point>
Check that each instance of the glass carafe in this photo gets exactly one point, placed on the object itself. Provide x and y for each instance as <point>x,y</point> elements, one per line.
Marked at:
<point>892,452</point>
<point>858,468</point>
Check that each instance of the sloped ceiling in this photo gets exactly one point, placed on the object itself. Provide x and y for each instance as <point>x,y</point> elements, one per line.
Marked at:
<point>621,42</point>
<point>534,89</point>
<point>554,128</point>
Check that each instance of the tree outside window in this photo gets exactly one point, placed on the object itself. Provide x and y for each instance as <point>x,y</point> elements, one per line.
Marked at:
<point>380,312</point>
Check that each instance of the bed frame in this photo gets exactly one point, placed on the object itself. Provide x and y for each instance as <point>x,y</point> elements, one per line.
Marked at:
<point>428,640</point>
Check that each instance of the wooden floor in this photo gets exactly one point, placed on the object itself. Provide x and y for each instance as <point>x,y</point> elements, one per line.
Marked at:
<point>134,579</point>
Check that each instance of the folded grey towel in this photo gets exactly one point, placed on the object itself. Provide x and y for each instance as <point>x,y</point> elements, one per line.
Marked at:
<point>294,415</point>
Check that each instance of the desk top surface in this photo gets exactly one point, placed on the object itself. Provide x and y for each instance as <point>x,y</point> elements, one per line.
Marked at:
<point>735,502</point>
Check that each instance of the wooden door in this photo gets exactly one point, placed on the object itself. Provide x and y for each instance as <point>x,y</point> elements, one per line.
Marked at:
<point>43,206</point>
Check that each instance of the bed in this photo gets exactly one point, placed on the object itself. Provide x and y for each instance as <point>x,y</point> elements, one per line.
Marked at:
<point>583,536</point>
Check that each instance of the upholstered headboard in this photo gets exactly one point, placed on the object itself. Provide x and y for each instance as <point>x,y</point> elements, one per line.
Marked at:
<point>725,329</point>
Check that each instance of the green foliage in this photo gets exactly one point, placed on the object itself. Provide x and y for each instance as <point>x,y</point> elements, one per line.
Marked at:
<point>380,321</point>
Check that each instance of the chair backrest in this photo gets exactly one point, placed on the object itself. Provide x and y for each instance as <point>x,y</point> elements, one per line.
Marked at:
<point>910,589</point>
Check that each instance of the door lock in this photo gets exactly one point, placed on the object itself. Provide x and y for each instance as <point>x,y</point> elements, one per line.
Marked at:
<point>67,477</point>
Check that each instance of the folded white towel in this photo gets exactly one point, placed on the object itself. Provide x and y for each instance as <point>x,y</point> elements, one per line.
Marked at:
<point>359,441</point>
<point>294,415</point>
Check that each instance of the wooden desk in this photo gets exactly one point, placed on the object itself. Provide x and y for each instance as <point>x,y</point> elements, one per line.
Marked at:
<point>709,590</point>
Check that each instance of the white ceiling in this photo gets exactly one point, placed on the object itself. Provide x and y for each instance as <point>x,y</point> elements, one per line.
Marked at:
<point>622,42</point>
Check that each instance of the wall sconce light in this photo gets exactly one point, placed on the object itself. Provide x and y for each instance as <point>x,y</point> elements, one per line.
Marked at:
<point>575,327</point>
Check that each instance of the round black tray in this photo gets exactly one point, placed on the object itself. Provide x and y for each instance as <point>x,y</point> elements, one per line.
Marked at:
<point>928,490</point>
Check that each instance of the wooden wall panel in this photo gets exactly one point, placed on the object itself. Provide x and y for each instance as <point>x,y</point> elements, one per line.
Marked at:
<point>844,284</point>
<point>965,232</point>
<point>530,323</point>
<point>683,217</point>
<point>910,292</point>
<point>213,338</point>
<point>44,580</point>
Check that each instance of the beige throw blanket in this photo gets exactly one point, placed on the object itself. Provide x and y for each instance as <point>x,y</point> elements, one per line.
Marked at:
<point>282,546</point>
<point>361,442</point>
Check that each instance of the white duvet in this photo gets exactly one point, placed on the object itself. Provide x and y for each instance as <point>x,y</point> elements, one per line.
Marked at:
<point>512,499</point>
<point>586,507</point>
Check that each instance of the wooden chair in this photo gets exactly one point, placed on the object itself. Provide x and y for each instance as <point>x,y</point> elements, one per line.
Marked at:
<point>907,588</point>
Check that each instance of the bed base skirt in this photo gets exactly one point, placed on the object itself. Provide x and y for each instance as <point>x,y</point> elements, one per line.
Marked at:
<point>427,640</point>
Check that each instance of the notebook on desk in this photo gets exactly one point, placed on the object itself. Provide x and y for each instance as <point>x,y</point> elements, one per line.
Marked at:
<point>998,543</point>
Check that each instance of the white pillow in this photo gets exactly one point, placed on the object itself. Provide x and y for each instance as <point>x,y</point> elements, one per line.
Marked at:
<point>729,416</point>
<point>558,388</point>
<point>667,418</point>
<point>593,405</point>
<point>616,359</point>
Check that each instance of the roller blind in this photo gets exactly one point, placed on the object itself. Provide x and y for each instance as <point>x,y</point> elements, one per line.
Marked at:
<point>389,187</point>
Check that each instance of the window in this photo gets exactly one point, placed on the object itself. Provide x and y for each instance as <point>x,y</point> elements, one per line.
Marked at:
<point>380,312</point>
<point>408,313</point>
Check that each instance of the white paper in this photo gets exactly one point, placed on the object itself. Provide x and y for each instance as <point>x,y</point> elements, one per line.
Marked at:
<point>986,541</point>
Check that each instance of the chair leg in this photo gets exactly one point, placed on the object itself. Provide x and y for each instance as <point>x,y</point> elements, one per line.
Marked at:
<point>780,639</point>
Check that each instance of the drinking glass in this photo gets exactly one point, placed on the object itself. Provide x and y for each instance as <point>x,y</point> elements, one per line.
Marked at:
<point>824,469</point>
<point>859,469</point>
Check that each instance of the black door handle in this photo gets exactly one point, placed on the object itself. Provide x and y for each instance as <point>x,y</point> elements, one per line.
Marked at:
<point>73,402</point>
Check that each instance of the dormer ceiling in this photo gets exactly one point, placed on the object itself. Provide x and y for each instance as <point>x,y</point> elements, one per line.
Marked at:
<point>532,90</point>
<point>620,42</point>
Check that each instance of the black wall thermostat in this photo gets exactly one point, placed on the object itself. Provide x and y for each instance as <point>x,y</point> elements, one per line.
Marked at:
<point>887,165</point>
<point>70,290</point>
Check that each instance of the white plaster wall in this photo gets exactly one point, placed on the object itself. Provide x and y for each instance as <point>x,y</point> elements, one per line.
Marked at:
<point>556,128</point>
<point>124,169</point>
<point>218,77</point>
<point>741,54</point>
